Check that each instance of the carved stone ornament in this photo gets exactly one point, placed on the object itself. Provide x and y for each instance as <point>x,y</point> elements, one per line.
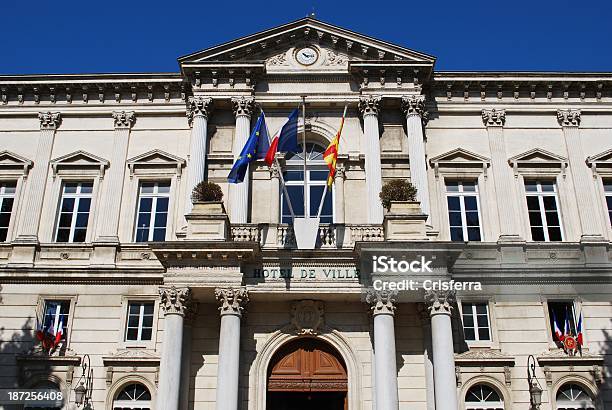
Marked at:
<point>568,118</point>
<point>278,60</point>
<point>124,119</point>
<point>199,106</point>
<point>49,120</point>
<point>307,316</point>
<point>274,171</point>
<point>335,59</point>
<point>243,106</point>
<point>369,104</point>
<point>232,300</point>
<point>175,301</point>
<point>414,105</point>
<point>440,302</point>
<point>382,301</point>
<point>494,117</point>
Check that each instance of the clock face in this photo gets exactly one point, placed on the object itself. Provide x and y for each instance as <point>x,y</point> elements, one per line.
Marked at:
<point>307,56</point>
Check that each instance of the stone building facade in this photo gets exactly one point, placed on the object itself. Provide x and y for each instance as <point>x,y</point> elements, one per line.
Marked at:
<point>199,306</point>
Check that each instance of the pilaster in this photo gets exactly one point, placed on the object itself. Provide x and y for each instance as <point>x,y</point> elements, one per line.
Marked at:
<point>339,191</point>
<point>369,106</point>
<point>275,193</point>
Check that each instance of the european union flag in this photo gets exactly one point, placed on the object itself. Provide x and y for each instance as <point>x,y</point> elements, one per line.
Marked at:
<point>255,148</point>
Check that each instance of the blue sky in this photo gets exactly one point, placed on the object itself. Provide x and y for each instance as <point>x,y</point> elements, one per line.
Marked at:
<point>66,36</point>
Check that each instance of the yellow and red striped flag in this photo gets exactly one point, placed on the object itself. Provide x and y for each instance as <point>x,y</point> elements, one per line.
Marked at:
<point>331,153</point>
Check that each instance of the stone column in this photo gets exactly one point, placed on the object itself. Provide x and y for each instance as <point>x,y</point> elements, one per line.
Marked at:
<point>339,191</point>
<point>440,304</point>
<point>111,201</point>
<point>414,108</point>
<point>37,179</point>
<point>581,177</point>
<point>190,314</point>
<point>175,303</point>
<point>232,302</point>
<point>494,120</point>
<point>383,310</point>
<point>369,107</point>
<point>199,109</point>
<point>275,188</point>
<point>427,355</point>
<point>239,193</point>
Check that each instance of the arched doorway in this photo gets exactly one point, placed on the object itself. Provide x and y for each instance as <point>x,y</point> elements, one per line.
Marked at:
<point>307,373</point>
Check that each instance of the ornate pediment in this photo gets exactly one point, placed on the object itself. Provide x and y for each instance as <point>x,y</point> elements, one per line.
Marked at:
<point>11,163</point>
<point>601,161</point>
<point>131,356</point>
<point>483,356</point>
<point>537,158</point>
<point>156,159</point>
<point>459,158</point>
<point>79,160</point>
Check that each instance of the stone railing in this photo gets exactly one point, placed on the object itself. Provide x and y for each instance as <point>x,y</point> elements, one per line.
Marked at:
<point>331,236</point>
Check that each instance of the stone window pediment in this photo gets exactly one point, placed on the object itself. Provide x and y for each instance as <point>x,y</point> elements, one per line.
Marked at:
<point>78,161</point>
<point>13,164</point>
<point>459,160</point>
<point>538,161</point>
<point>601,163</point>
<point>156,160</point>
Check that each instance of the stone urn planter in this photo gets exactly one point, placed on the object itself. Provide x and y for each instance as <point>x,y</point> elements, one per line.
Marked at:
<point>405,208</point>
<point>208,221</point>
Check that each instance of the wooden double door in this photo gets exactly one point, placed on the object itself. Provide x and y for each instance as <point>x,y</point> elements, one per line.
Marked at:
<point>307,373</point>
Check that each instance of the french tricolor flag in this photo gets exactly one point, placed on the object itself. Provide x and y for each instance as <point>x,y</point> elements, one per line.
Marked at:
<point>558,334</point>
<point>579,330</point>
<point>59,333</point>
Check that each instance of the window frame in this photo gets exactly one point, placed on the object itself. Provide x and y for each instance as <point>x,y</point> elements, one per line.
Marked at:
<point>477,406</point>
<point>489,300</point>
<point>461,195</point>
<point>13,214</point>
<point>476,327</point>
<point>577,307</point>
<point>138,344</point>
<point>77,196</point>
<point>540,195</point>
<point>41,305</point>
<point>150,403</point>
<point>155,196</point>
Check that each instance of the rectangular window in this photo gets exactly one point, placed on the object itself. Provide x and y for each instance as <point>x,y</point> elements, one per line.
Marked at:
<point>475,318</point>
<point>152,212</point>
<point>56,316</point>
<point>463,210</point>
<point>73,213</point>
<point>608,193</point>
<point>316,180</point>
<point>563,312</point>
<point>543,210</point>
<point>7,199</point>
<point>139,321</point>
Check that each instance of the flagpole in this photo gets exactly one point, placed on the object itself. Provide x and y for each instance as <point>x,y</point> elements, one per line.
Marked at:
<point>280,174</point>
<point>304,149</point>
<point>326,183</point>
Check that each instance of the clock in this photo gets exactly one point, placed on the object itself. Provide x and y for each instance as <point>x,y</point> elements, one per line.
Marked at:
<point>307,56</point>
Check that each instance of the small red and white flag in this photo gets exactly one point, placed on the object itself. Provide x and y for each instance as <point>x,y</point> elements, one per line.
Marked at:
<point>579,330</point>
<point>558,334</point>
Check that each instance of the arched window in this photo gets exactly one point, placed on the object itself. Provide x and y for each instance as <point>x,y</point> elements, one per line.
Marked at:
<point>134,396</point>
<point>483,397</point>
<point>46,385</point>
<point>316,178</point>
<point>571,396</point>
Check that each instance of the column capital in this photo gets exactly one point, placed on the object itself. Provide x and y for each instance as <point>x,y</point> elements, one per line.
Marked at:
<point>232,300</point>
<point>369,104</point>
<point>340,172</point>
<point>274,171</point>
<point>414,105</point>
<point>568,118</point>
<point>381,301</point>
<point>440,301</point>
<point>124,119</point>
<point>199,106</point>
<point>243,106</point>
<point>49,120</point>
<point>494,117</point>
<point>175,301</point>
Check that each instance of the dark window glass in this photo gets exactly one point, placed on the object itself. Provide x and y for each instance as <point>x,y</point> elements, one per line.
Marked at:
<point>463,217</point>
<point>475,318</point>
<point>56,316</point>
<point>139,326</point>
<point>563,312</point>
<point>73,214</point>
<point>7,197</point>
<point>152,212</point>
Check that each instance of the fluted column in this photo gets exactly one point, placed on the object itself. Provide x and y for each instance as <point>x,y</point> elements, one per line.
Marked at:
<point>414,108</point>
<point>199,109</point>
<point>385,365</point>
<point>494,120</point>
<point>239,193</point>
<point>427,355</point>
<point>440,304</point>
<point>275,193</point>
<point>339,191</point>
<point>369,107</point>
<point>174,302</point>
<point>232,301</point>
<point>111,200</point>
<point>37,179</point>
<point>581,177</point>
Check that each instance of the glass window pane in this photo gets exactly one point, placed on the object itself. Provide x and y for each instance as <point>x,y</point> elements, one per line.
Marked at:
<point>537,234</point>
<point>469,333</point>
<point>316,192</point>
<point>146,334</point>
<point>132,334</point>
<point>469,186</point>
<point>552,218</point>
<point>70,187</point>
<point>550,203</point>
<point>142,235</point>
<point>3,234</point>
<point>134,308</point>
<point>63,234</point>
<point>79,235</point>
<point>161,219</point>
<point>81,220</point>
<point>452,186</point>
<point>456,234</point>
<point>318,175</point>
<point>163,187</point>
<point>146,204</point>
<point>468,319</point>
<point>470,203</point>
<point>296,193</point>
<point>67,205</point>
<point>162,205</point>
<point>533,203</point>
<point>548,186</point>
<point>7,205</point>
<point>453,203</point>
<point>84,204</point>
<point>147,187</point>
<point>482,320</point>
<point>484,334</point>
<point>133,321</point>
<point>454,218</point>
<point>159,234</point>
<point>144,220</point>
<point>535,218</point>
<point>148,308</point>
<point>471,218</point>
<point>481,309</point>
<point>554,234</point>
<point>294,176</point>
<point>531,186</point>
<point>5,218</point>
<point>473,234</point>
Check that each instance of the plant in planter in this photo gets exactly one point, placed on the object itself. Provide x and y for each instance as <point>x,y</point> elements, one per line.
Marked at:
<point>206,192</point>
<point>397,190</point>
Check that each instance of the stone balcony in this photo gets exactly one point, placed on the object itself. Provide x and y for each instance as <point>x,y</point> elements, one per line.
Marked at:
<point>331,236</point>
